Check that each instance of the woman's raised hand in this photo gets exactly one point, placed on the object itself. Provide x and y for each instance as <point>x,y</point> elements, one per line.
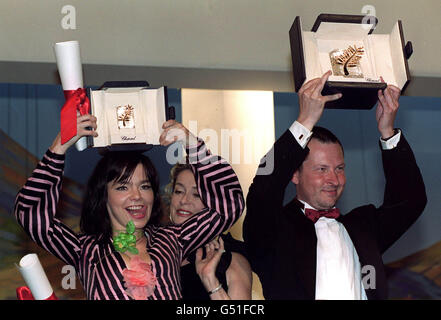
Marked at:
<point>83,122</point>
<point>175,131</point>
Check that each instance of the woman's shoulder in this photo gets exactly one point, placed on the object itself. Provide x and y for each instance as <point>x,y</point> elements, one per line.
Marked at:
<point>95,250</point>
<point>161,228</point>
<point>92,246</point>
<point>169,232</point>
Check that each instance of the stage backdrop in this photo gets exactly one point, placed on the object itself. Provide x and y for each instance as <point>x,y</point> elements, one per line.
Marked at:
<point>30,121</point>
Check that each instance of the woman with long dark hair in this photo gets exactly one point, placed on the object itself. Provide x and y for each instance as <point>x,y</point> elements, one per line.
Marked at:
<point>122,253</point>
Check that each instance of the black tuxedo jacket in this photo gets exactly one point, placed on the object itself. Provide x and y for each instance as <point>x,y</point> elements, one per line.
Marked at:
<point>282,242</point>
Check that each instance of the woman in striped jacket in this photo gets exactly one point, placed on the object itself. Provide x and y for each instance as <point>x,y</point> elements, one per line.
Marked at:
<point>124,187</point>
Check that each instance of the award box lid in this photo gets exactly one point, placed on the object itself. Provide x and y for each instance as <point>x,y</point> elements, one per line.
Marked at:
<point>370,21</point>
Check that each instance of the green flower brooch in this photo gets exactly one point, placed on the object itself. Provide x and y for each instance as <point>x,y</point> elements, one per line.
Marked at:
<point>126,241</point>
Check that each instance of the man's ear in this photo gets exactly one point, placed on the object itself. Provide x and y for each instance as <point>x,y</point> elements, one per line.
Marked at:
<point>295,177</point>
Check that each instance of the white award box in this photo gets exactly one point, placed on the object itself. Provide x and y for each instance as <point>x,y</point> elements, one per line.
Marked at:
<point>346,45</point>
<point>128,115</point>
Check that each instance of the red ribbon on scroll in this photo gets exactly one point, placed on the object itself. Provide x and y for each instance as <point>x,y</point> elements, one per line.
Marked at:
<point>24,293</point>
<point>76,100</point>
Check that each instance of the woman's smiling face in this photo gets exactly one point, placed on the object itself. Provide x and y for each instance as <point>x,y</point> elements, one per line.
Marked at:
<point>185,199</point>
<point>130,200</point>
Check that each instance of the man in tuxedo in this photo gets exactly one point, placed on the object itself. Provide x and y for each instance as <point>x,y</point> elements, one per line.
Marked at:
<point>307,249</point>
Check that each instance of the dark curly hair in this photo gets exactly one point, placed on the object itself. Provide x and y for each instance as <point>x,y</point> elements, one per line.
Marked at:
<point>117,166</point>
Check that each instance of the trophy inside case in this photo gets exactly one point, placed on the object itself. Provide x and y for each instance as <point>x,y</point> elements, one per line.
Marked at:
<point>129,115</point>
<point>357,58</point>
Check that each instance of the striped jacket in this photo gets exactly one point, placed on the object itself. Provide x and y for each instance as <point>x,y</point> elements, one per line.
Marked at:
<point>97,264</point>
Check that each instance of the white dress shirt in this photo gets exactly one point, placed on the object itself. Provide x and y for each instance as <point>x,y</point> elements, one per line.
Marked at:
<point>338,271</point>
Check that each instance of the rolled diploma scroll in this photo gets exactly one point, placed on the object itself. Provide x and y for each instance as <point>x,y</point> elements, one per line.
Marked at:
<point>69,66</point>
<point>35,277</point>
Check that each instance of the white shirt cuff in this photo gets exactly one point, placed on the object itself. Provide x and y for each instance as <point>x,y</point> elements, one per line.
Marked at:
<point>391,142</point>
<point>300,133</point>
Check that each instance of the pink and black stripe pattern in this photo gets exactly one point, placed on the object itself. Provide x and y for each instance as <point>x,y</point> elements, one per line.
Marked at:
<point>99,267</point>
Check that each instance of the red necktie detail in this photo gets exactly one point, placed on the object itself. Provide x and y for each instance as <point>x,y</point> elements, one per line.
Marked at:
<point>314,215</point>
<point>76,100</point>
